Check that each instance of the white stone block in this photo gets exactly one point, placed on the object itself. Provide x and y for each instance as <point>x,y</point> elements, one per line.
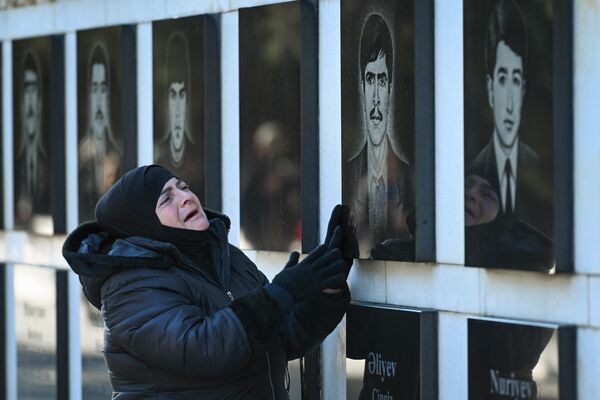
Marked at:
<point>594,310</point>
<point>457,289</point>
<point>271,262</point>
<point>588,364</point>
<point>133,11</point>
<point>77,15</point>
<point>410,284</point>
<point>535,296</point>
<point>453,356</point>
<point>367,281</point>
<point>586,144</point>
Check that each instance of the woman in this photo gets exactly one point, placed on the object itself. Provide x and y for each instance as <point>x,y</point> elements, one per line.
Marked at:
<point>186,314</point>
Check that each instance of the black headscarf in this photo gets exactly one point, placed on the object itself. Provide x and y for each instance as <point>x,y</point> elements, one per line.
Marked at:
<point>128,209</point>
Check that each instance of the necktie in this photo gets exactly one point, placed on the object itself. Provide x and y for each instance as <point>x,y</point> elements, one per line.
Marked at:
<point>508,209</point>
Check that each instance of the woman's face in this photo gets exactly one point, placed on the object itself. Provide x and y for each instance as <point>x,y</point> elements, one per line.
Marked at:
<point>481,201</point>
<point>179,207</point>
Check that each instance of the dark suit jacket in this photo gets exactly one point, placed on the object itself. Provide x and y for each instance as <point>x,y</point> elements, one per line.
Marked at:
<point>400,199</point>
<point>533,201</point>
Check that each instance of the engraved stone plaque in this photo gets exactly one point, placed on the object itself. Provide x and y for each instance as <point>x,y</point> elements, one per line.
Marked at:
<point>516,360</point>
<point>390,353</point>
<point>35,320</point>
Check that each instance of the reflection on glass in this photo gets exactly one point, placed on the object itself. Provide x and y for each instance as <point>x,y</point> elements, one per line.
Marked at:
<point>96,384</point>
<point>378,125</point>
<point>383,353</point>
<point>32,155</point>
<point>179,99</point>
<point>99,115</point>
<point>509,133</point>
<point>512,361</point>
<point>35,319</point>
<point>270,127</point>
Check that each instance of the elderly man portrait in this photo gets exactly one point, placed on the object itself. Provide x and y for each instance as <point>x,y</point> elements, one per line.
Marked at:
<point>99,150</point>
<point>376,178</point>
<point>510,165</point>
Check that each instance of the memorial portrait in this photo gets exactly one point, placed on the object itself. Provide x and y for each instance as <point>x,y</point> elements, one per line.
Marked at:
<point>377,56</point>
<point>519,360</point>
<point>390,353</point>
<point>100,138</point>
<point>35,331</point>
<point>508,134</point>
<point>269,62</point>
<point>178,59</point>
<point>32,137</point>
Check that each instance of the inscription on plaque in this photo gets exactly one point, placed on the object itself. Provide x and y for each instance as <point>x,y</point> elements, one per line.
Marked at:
<point>383,353</point>
<point>35,301</point>
<point>512,361</point>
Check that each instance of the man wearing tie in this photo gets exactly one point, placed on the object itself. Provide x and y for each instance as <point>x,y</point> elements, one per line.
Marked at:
<point>506,161</point>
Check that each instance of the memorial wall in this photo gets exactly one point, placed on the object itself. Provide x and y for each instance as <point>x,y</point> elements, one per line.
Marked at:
<point>459,133</point>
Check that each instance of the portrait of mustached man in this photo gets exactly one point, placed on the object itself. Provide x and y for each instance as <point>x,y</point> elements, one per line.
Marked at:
<point>376,176</point>
<point>99,150</point>
<point>32,158</point>
<point>178,132</point>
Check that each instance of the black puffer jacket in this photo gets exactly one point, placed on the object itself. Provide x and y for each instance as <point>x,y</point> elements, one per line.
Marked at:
<point>172,330</point>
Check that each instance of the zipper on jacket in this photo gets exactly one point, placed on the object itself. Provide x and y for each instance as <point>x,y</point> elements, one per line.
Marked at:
<point>230,295</point>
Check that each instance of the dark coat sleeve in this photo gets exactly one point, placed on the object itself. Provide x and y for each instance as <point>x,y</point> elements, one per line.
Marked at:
<point>301,328</point>
<point>151,314</point>
<point>310,321</point>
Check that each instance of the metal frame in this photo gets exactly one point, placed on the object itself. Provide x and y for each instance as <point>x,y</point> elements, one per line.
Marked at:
<point>1,151</point>
<point>57,133</point>
<point>62,335</point>
<point>3,328</point>
<point>212,112</point>
<point>562,53</point>
<point>424,131</point>
<point>129,97</point>
<point>309,122</point>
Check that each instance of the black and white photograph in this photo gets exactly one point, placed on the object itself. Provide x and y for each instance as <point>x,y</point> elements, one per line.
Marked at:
<point>519,360</point>
<point>378,125</point>
<point>269,57</point>
<point>32,156</point>
<point>178,67</point>
<point>508,136</point>
<point>100,139</point>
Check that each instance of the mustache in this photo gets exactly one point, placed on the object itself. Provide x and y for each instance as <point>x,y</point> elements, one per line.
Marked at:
<point>375,113</point>
<point>99,114</point>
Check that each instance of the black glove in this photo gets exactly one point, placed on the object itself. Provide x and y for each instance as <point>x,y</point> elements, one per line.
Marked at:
<point>323,268</point>
<point>340,216</point>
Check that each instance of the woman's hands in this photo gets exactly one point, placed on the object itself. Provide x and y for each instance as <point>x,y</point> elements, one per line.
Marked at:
<point>323,268</point>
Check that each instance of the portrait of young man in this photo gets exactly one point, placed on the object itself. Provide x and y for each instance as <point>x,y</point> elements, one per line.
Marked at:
<point>100,144</point>
<point>513,158</point>
<point>377,177</point>
<point>178,98</point>
<point>32,158</point>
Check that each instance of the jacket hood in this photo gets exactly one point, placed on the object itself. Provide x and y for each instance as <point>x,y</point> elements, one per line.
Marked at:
<point>94,255</point>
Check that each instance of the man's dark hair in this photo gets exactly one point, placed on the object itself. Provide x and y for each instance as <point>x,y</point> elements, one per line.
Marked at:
<point>30,63</point>
<point>178,60</point>
<point>506,24</point>
<point>376,41</point>
<point>98,55</point>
